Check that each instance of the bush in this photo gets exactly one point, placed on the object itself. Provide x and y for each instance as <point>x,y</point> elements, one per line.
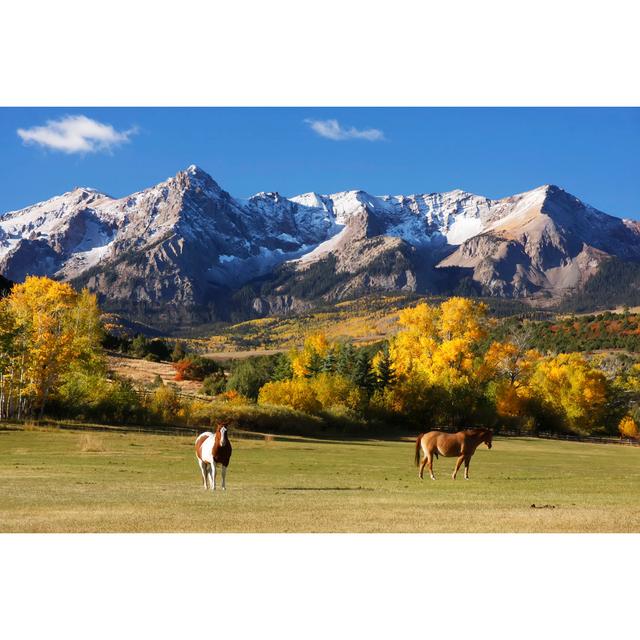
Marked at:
<point>91,396</point>
<point>153,350</point>
<point>628,428</point>
<point>297,394</point>
<point>165,404</point>
<point>248,376</point>
<point>179,351</point>
<point>195,368</point>
<point>214,384</point>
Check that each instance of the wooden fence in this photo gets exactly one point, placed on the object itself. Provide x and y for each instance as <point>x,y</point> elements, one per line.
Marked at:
<point>171,430</point>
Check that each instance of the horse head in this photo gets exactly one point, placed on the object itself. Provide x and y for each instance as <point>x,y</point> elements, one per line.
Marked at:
<point>222,430</point>
<point>488,437</point>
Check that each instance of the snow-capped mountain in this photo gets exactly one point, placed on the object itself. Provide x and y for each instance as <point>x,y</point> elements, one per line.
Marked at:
<point>185,249</point>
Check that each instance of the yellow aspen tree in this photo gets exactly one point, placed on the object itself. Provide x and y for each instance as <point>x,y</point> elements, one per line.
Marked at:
<point>572,388</point>
<point>60,327</point>
<point>628,428</point>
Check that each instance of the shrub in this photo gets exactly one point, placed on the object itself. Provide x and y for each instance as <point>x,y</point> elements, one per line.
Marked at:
<point>165,404</point>
<point>214,384</point>
<point>628,428</point>
<point>153,350</point>
<point>248,376</point>
<point>179,351</point>
<point>94,397</point>
<point>195,368</point>
<point>295,393</point>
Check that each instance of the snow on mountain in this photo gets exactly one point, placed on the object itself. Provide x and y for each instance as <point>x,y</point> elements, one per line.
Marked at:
<point>183,241</point>
<point>544,240</point>
<point>244,237</point>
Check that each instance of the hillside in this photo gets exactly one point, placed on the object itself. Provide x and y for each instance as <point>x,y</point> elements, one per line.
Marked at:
<point>364,321</point>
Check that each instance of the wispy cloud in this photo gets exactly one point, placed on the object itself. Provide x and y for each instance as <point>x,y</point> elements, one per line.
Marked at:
<point>76,134</point>
<point>333,130</point>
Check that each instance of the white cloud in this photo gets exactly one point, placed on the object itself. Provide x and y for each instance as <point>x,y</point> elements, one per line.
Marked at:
<point>76,134</point>
<point>333,130</point>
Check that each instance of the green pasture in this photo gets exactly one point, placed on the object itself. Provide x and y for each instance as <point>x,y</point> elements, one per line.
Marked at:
<point>70,481</point>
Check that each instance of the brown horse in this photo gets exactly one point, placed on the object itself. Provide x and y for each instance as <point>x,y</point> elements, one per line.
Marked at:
<point>461,444</point>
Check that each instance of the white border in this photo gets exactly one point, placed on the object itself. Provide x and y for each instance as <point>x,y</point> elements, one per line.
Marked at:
<point>316,586</point>
<point>334,52</point>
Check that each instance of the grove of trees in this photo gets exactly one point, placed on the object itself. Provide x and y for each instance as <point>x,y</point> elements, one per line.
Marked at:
<point>447,366</point>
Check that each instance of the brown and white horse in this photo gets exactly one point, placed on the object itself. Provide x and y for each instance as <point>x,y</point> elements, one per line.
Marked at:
<point>213,449</point>
<point>461,444</point>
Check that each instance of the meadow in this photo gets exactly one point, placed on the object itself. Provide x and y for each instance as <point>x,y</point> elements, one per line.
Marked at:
<point>55,480</point>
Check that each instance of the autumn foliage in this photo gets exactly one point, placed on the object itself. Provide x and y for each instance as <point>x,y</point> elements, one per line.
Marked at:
<point>46,330</point>
<point>443,367</point>
<point>628,428</point>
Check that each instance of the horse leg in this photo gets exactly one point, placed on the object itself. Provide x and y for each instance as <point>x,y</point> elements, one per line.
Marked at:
<point>203,471</point>
<point>459,461</point>
<point>213,475</point>
<point>467,462</point>
<point>224,477</point>
<point>425,459</point>
<point>430,463</point>
<point>423,463</point>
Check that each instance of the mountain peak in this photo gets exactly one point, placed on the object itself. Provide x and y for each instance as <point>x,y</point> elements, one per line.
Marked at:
<point>195,170</point>
<point>552,189</point>
<point>87,191</point>
<point>199,178</point>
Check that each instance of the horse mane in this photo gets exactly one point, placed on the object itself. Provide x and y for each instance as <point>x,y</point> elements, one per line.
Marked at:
<point>476,431</point>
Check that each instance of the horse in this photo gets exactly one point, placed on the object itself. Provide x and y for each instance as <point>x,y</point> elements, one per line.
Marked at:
<point>213,449</point>
<point>462,444</point>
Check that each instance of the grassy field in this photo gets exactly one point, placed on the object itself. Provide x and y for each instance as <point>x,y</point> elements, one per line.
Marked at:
<point>68,481</point>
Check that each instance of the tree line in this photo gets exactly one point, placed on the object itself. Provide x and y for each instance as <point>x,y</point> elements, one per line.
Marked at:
<point>449,365</point>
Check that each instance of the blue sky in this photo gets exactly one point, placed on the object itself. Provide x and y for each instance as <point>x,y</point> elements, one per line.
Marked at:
<point>591,152</point>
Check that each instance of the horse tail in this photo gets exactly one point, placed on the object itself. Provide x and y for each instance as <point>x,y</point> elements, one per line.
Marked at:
<point>418,444</point>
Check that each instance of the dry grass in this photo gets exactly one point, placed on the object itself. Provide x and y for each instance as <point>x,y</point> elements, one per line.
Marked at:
<point>152,483</point>
<point>143,372</point>
<point>91,443</point>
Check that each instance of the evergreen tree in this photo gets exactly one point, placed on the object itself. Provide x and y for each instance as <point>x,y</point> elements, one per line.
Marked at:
<point>179,351</point>
<point>139,346</point>
<point>330,362</point>
<point>384,371</point>
<point>346,359</point>
<point>315,364</point>
<point>362,373</point>
<point>282,369</point>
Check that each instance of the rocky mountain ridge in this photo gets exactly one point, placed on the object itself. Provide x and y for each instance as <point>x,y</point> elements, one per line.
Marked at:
<point>187,251</point>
